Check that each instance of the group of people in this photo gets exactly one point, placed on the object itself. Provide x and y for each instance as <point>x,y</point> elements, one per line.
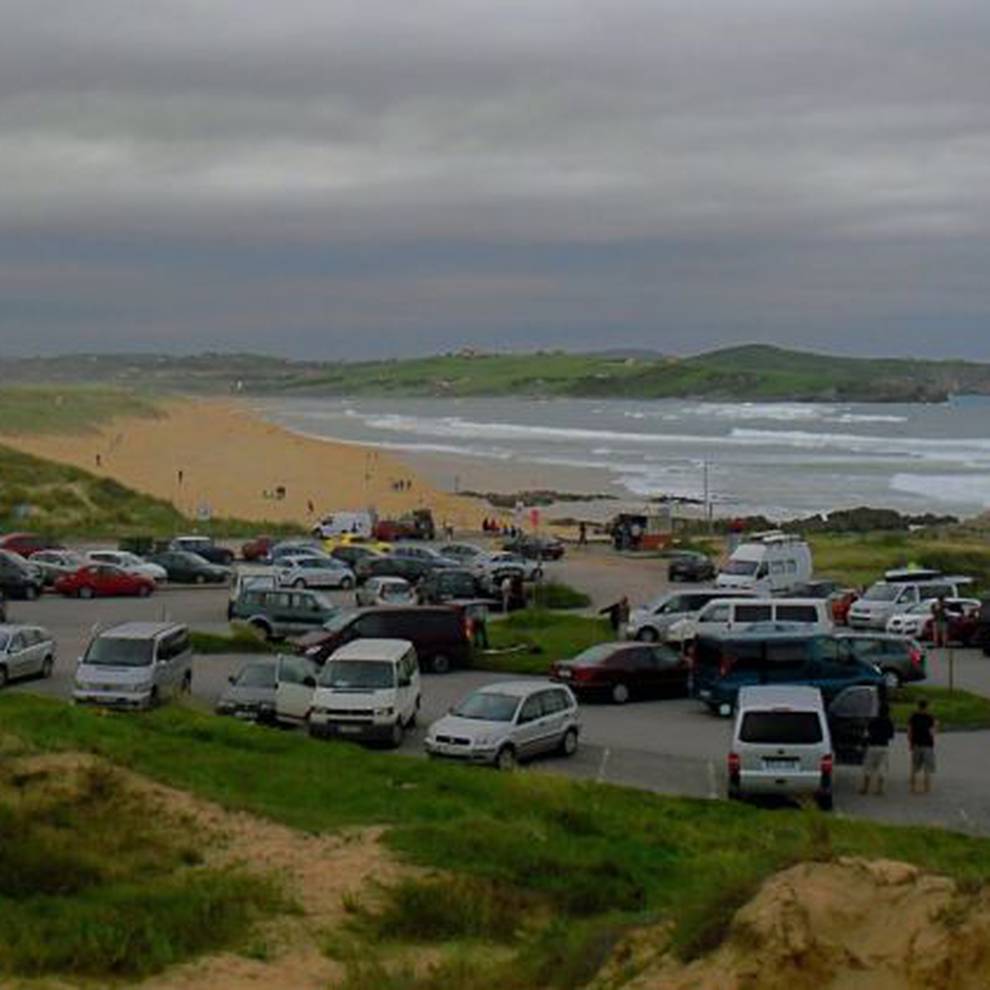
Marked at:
<point>496,528</point>
<point>922,727</point>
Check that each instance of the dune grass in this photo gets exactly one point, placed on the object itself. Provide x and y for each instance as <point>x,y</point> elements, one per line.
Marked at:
<point>576,861</point>
<point>68,409</point>
<point>534,638</point>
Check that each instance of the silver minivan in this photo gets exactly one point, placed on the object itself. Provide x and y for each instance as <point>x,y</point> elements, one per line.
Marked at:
<point>781,745</point>
<point>135,665</point>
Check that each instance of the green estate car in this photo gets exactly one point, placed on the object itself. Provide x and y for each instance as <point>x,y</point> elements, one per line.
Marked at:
<point>277,612</point>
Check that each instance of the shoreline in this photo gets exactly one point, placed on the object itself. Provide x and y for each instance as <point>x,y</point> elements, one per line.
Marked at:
<point>220,458</point>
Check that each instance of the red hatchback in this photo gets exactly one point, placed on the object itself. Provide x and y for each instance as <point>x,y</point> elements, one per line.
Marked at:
<point>621,671</point>
<point>26,544</point>
<point>103,580</point>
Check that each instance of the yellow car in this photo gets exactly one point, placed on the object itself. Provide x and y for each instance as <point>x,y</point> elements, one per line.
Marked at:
<point>354,539</point>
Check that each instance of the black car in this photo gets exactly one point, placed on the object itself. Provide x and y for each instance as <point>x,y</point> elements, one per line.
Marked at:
<point>18,579</point>
<point>689,565</point>
<point>447,584</point>
<point>388,565</point>
<point>352,553</point>
<point>203,546</point>
<point>535,547</point>
<point>189,568</point>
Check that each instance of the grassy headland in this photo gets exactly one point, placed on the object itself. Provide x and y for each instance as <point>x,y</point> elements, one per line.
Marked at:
<point>537,873</point>
<point>75,409</point>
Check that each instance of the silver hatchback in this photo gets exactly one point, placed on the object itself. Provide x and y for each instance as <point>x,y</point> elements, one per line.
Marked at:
<point>25,651</point>
<point>502,724</point>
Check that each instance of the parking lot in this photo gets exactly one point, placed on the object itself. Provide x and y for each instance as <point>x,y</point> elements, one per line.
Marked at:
<point>671,746</point>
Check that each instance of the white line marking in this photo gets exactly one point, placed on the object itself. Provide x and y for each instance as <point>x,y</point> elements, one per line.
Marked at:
<point>712,786</point>
<point>601,766</point>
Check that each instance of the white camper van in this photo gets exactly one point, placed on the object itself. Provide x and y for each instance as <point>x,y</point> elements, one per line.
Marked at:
<point>358,523</point>
<point>770,563</point>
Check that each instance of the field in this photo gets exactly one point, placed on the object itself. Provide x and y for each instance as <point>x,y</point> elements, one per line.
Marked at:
<point>74,409</point>
<point>527,642</point>
<point>530,879</point>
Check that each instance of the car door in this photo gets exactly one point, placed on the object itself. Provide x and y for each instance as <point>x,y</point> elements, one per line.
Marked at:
<point>849,715</point>
<point>18,656</point>
<point>530,730</point>
<point>671,670</point>
<point>36,648</point>
<point>295,680</point>
<point>835,666</point>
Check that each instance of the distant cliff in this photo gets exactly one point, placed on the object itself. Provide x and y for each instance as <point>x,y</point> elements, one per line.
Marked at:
<point>748,373</point>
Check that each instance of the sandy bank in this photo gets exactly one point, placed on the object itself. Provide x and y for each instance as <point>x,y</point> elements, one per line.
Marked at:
<point>217,454</point>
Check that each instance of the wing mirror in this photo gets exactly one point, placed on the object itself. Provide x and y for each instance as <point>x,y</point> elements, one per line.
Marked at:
<point>309,682</point>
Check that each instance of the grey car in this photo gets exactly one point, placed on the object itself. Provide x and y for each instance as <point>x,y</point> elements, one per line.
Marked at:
<point>251,692</point>
<point>900,660</point>
<point>385,591</point>
<point>55,563</point>
<point>502,724</point>
<point>25,651</point>
<point>277,613</point>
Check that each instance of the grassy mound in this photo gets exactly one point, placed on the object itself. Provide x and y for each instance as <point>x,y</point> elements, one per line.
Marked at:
<point>534,638</point>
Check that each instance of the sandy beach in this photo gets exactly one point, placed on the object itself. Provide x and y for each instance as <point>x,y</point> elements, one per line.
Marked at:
<point>218,456</point>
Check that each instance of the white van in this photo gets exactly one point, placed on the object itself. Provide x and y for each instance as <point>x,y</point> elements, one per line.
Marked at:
<point>358,523</point>
<point>885,599</point>
<point>135,665</point>
<point>728,615</point>
<point>770,563</point>
<point>368,690</point>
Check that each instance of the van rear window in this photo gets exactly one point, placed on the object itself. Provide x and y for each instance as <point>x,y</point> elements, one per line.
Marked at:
<point>797,613</point>
<point>796,728</point>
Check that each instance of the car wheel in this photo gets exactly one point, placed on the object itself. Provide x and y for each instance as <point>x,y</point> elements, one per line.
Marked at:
<point>891,680</point>
<point>47,665</point>
<point>398,734</point>
<point>200,579</point>
<point>263,628</point>
<point>505,759</point>
<point>440,664</point>
<point>144,591</point>
<point>569,744</point>
<point>347,584</point>
<point>299,583</point>
<point>620,694</point>
<point>85,591</point>
<point>3,676</point>
<point>647,635</point>
<point>30,592</point>
<point>672,577</point>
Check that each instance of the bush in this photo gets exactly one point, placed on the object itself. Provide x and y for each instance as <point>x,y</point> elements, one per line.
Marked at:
<point>556,594</point>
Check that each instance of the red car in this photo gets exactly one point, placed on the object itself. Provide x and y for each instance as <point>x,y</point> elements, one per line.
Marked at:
<point>103,580</point>
<point>26,544</point>
<point>257,549</point>
<point>621,671</point>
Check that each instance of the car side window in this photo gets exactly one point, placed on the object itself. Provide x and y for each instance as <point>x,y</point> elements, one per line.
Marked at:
<point>17,643</point>
<point>797,613</point>
<point>717,613</point>
<point>664,656</point>
<point>553,702</point>
<point>752,613</point>
<point>532,709</point>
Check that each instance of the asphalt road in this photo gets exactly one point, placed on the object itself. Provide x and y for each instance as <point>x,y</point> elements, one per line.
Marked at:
<point>669,746</point>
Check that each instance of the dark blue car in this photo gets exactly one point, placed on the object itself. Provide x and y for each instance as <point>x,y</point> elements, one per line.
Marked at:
<point>721,665</point>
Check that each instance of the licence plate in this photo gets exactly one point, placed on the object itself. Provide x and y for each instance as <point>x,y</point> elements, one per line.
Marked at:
<point>780,764</point>
<point>244,713</point>
<point>349,730</point>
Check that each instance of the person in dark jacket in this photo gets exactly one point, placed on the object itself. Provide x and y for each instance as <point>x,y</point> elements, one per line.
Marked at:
<point>618,614</point>
<point>876,761</point>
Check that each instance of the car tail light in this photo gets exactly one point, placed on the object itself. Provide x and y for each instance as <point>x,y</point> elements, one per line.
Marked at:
<point>735,764</point>
<point>584,673</point>
<point>827,764</point>
<point>914,655</point>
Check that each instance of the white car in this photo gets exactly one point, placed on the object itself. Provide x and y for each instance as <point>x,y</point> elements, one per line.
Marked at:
<point>129,562</point>
<point>487,563</point>
<point>314,572</point>
<point>385,591</point>
<point>912,621</point>
<point>25,651</point>
<point>55,563</point>
<point>501,724</point>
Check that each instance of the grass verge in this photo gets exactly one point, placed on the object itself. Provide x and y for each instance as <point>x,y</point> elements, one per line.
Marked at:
<point>240,639</point>
<point>535,638</point>
<point>954,709</point>
<point>591,857</point>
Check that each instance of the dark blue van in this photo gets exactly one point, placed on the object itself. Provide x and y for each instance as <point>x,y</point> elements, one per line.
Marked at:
<point>721,665</point>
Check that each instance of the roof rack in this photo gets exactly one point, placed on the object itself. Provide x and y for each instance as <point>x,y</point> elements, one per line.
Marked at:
<point>773,536</point>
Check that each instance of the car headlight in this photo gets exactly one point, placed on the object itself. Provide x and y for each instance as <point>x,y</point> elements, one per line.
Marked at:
<point>380,712</point>
<point>142,686</point>
<point>486,740</point>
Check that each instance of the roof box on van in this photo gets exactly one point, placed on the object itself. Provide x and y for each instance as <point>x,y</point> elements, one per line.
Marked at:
<point>773,536</point>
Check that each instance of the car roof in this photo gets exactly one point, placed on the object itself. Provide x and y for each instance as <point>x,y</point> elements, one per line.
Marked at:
<point>141,630</point>
<point>784,695</point>
<point>518,689</point>
<point>13,627</point>
<point>373,649</point>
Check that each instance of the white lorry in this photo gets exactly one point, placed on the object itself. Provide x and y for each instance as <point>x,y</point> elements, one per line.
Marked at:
<point>770,563</point>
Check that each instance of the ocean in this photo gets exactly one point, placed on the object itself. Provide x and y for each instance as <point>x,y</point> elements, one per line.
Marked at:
<point>783,459</point>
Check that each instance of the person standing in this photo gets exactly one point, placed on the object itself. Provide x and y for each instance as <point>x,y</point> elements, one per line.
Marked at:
<point>879,733</point>
<point>940,622</point>
<point>618,614</point>
<point>582,534</point>
<point>922,727</point>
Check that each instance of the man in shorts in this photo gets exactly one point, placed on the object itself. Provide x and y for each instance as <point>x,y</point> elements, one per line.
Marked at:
<point>879,732</point>
<point>921,738</point>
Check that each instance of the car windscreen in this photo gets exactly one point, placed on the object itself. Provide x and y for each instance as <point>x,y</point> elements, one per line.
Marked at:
<point>882,593</point>
<point>796,728</point>
<point>488,706</point>
<point>109,652</point>
<point>257,675</point>
<point>358,675</point>
<point>740,567</point>
<point>595,654</point>
<point>337,622</point>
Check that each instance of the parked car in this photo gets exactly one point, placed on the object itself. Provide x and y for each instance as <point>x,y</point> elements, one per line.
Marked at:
<point>505,723</point>
<point>502,562</point>
<point>897,593</point>
<point>899,659</point>
<point>439,634</point>
<point>689,565</point>
<point>652,621</point>
<point>839,597</point>
<point>282,612</point>
<point>351,553</point>
<point>385,591</point>
<point>621,671</point>
<point>535,547</point>
<point>129,562</point>
<point>332,543</point>
<point>917,621</point>
<point>463,553</point>
<point>447,584</point>
<point>368,691</point>
<point>259,548</point>
<point>261,690</point>
<point>981,632</point>
<point>190,568</point>
<point>296,548</point>
<point>426,554</point>
<point>103,581</point>
<point>721,665</point>
<point>205,548</point>
<point>390,565</point>
<point>135,665</point>
<point>358,523</point>
<point>27,544</point>
<point>723,616</point>
<point>18,579</point>
<point>415,525</point>
<point>314,572</point>
<point>25,651</point>
<point>55,563</point>
<point>781,745</point>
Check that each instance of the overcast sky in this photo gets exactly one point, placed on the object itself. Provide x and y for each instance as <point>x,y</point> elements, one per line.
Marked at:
<point>351,178</point>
